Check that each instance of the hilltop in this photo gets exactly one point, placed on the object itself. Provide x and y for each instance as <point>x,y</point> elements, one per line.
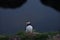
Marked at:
<point>34,36</point>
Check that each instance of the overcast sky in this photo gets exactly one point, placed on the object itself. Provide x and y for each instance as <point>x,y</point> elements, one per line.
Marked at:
<point>41,16</point>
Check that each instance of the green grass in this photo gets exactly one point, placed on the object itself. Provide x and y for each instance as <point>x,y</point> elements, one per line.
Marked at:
<point>41,36</point>
<point>3,37</point>
<point>22,35</point>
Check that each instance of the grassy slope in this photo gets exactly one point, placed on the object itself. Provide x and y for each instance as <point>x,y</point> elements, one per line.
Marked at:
<point>40,36</point>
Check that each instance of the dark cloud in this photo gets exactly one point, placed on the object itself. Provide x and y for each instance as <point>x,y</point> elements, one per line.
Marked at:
<point>52,3</point>
<point>11,3</point>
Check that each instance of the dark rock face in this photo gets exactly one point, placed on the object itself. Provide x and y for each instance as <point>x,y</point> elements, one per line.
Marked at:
<point>52,3</point>
<point>11,3</point>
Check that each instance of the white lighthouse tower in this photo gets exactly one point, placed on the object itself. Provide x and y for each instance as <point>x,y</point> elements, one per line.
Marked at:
<point>29,27</point>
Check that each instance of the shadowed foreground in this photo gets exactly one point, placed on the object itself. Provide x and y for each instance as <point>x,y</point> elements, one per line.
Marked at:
<point>52,3</point>
<point>11,3</point>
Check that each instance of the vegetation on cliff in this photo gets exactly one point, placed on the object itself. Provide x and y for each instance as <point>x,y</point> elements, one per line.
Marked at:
<point>24,36</point>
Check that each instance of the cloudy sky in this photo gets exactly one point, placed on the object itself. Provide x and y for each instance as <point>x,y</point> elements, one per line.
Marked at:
<point>43,18</point>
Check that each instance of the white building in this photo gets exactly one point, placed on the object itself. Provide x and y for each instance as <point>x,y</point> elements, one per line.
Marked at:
<point>29,27</point>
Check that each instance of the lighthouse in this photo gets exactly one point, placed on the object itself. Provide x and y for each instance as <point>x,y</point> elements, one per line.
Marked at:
<point>29,27</point>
